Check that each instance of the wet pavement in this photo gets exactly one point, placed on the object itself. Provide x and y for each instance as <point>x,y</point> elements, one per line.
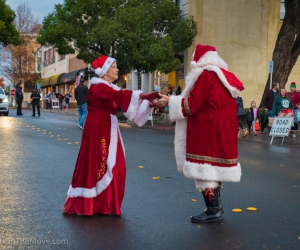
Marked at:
<point>37,166</point>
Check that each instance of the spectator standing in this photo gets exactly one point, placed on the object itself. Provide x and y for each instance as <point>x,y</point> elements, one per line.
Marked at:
<point>67,100</point>
<point>269,98</point>
<point>282,102</point>
<point>35,96</point>
<point>48,100</point>
<point>178,91</point>
<point>60,98</point>
<point>254,114</point>
<point>241,115</point>
<point>294,95</point>
<point>19,99</point>
<point>81,92</point>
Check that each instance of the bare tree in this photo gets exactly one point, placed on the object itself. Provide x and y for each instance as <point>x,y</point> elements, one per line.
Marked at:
<point>18,63</point>
<point>287,47</point>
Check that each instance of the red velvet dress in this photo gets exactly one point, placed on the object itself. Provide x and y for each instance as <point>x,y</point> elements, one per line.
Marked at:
<point>98,181</point>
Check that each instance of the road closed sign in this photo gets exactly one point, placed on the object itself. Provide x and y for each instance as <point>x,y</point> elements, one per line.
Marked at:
<point>281,126</point>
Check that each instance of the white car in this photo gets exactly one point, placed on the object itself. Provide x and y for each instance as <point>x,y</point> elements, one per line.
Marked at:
<point>4,104</point>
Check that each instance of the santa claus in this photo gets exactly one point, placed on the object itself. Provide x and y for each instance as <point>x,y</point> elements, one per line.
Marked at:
<point>206,125</point>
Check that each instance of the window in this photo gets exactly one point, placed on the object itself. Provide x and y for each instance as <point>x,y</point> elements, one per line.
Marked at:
<point>282,9</point>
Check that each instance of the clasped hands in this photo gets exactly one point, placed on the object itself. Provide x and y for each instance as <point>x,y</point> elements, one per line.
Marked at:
<point>150,97</point>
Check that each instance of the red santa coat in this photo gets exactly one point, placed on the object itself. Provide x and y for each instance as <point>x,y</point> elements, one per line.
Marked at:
<point>206,128</point>
<point>98,181</point>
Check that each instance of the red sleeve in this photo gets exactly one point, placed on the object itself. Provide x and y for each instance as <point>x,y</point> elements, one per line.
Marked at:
<point>121,97</point>
<point>199,93</point>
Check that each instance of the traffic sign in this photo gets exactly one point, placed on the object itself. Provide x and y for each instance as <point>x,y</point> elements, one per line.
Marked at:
<point>271,66</point>
<point>12,92</point>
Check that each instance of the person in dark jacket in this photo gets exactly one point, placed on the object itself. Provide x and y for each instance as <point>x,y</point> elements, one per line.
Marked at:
<point>241,114</point>
<point>19,99</point>
<point>81,92</point>
<point>269,98</point>
<point>35,97</point>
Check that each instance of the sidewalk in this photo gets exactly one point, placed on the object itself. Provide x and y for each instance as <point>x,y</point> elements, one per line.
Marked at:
<point>263,138</point>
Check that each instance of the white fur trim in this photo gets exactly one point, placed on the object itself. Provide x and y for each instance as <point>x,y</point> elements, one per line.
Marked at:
<point>204,184</point>
<point>96,80</point>
<point>207,172</point>
<point>111,161</point>
<point>233,91</point>
<point>143,113</point>
<point>134,104</point>
<point>175,108</point>
<point>101,71</point>
<point>210,58</point>
<point>180,143</point>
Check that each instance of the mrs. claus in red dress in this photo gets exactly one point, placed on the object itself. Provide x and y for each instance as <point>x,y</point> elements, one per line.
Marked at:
<point>98,181</point>
<point>206,124</point>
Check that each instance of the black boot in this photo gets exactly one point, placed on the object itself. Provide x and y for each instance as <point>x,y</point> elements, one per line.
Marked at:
<point>213,211</point>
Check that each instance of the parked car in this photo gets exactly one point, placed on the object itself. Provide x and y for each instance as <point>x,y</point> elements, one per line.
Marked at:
<point>4,104</point>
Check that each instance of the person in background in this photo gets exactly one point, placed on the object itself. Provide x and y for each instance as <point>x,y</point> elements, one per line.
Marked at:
<point>254,111</point>
<point>241,115</point>
<point>294,95</point>
<point>48,100</point>
<point>67,100</point>
<point>269,97</point>
<point>19,99</point>
<point>60,98</point>
<point>35,96</point>
<point>178,90</point>
<point>282,103</point>
<point>81,93</point>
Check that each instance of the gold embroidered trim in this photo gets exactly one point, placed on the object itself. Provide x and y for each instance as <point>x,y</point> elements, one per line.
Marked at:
<point>211,159</point>
<point>102,169</point>
<point>186,106</point>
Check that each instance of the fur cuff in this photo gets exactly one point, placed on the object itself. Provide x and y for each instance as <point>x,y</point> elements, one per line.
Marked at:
<point>204,184</point>
<point>175,108</point>
<point>207,172</point>
<point>143,113</point>
<point>134,105</point>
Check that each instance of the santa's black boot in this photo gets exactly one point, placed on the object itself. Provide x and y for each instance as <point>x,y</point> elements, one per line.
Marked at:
<point>213,211</point>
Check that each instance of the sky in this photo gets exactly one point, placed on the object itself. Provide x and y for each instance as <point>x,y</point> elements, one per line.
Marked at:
<point>39,8</point>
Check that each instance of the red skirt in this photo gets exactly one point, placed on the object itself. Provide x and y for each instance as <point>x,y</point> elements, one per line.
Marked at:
<point>109,201</point>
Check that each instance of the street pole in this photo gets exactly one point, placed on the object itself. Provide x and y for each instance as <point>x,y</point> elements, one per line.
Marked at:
<point>271,66</point>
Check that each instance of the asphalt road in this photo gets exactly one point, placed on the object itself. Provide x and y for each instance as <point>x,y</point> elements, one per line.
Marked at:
<point>36,169</point>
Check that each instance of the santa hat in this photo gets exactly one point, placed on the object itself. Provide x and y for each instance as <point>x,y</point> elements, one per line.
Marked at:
<point>207,55</point>
<point>293,85</point>
<point>102,64</point>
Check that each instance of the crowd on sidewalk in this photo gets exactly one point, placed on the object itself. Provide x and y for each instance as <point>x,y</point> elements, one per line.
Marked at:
<point>275,102</point>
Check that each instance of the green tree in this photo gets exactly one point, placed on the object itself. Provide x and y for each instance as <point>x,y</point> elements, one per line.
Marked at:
<point>8,31</point>
<point>144,35</point>
<point>287,47</point>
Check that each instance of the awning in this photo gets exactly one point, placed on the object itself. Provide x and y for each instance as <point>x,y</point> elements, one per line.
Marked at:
<point>51,80</point>
<point>55,79</point>
<point>69,77</point>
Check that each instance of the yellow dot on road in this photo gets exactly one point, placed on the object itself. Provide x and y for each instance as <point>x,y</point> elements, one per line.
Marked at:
<point>59,139</point>
<point>76,142</point>
<point>155,178</point>
<point>51,135</point>
<point>66,139</point>
<point>252,209</point>
<point>140,166</point>
<point>58,135</point>
<point>237,210</point>
<point>44,133</point>
<point>44,130</point>
<point>32,128</point>
<point>69,143</point>
<point>194,200</point>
